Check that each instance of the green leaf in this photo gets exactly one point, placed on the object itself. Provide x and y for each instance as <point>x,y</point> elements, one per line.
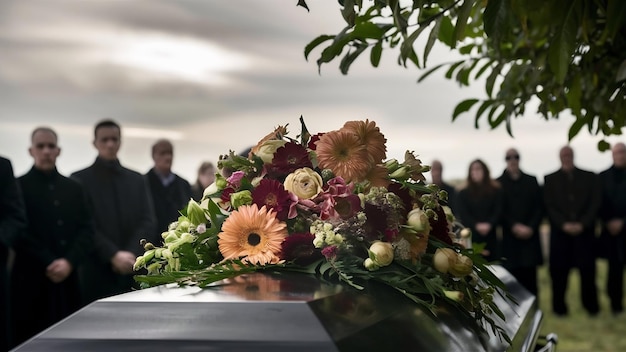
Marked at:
<point>428,73</point>
<point>446,31</point>
<point>462,107</point>
<point>461,21</point>
<point>491,80</point>
<point>563,44</point>
<point>453,67</point>
<point>496,20</point>
<point>621,72</point>
<point>481,109</point>
<point>432,38</point>
<point>377,51</point>
<point>348,13</point>
<point>314,43</point>
<point>349,58</point>
<point>576,126</point>
<point>407,46</point>
<point>603,145</point>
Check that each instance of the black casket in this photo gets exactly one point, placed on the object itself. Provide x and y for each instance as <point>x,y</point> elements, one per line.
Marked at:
<point>283,312</point>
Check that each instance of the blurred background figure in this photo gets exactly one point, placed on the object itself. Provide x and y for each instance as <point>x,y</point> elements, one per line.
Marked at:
<point>612,214</point>
<point>44,279</point>
<point>123,215</point>
<point>12,225</point>
<point>206,176</point>
<point>572,197</point>
<point>479,205</point>
<point>170,192</point>
<point>436,174</point>
<point>522,212</point>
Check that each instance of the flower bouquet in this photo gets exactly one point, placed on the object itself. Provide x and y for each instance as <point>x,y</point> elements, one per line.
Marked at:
<point>333,206</point>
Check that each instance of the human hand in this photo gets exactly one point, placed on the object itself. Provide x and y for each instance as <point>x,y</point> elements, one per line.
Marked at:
<point>483,228</point>
<point>123,261</point>
<point>59,270</point>
<point>522,231</point>
<point>615,226</point>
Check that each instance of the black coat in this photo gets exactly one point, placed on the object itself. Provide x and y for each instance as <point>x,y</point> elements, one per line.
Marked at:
<point>123,216</point>
<point>60,227</point>
<point>613,206</point>
<point>168,201</point>
<point>12,224</point>
<point>474,208</point>
<point>522,202</point>
<point>573,197</point>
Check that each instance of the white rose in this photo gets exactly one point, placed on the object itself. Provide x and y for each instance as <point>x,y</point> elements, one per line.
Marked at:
<point>383,253</point>
<point>304,183</point>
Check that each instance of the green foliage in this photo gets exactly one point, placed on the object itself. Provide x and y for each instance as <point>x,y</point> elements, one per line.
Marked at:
<point>567,54</point>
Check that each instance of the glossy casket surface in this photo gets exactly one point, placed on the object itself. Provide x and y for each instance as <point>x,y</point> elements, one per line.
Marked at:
<point>284,312</point>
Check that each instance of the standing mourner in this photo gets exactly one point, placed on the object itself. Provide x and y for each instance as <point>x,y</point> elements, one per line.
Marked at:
<point>522,212</point>
<point>206,176</point>
<point>436,174</point>
<point>170,192</point>
<point>123,216</point>
<point>479,205</point>
<point>613,215</point>
<point>572,198</point>
<point>44,280</point>
<point>12,223</point>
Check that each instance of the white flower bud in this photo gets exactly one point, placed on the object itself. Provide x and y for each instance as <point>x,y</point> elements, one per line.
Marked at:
<point>370,265</point>
<point>382,253</point>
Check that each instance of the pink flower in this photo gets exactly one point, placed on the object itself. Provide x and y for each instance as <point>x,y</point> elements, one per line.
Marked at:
<point>234,180</point>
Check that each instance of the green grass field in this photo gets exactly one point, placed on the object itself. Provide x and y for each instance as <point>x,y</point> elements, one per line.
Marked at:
<point>578,331</point>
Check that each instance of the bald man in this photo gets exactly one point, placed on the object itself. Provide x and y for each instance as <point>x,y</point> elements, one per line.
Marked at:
<point>613,215</point>
<point>572,199</point>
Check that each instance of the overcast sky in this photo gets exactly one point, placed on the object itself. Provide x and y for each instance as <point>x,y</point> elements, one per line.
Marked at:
<point>218,75</point>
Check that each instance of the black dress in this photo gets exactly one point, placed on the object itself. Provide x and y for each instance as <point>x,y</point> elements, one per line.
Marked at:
<point>473,208</point>
<point>61,227</point>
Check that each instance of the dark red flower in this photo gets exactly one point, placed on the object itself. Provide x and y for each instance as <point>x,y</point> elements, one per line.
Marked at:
<point>330,252</point>
<point>439,227</point>
<point>347,206</point>
<point>274,196</point>
<point>299,248</point>
<point>314,138</point>
<point>226,192</point>
<point>287,159</point>
<point>404,194</point>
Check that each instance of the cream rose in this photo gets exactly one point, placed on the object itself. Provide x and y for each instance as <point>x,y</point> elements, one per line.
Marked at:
<point>383,253</point>
<point>304,183</point>
<point>268,148</point>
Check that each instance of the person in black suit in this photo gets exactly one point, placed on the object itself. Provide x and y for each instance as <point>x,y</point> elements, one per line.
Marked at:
<point>44,279</point>
<point>479,206</point>
<point>572,198</point>
<point>123,215</point>
<point>436,174</point>
<point>170,192</point>
<point>12,223</point>
<point>522,211</point>
<point>613,215</point>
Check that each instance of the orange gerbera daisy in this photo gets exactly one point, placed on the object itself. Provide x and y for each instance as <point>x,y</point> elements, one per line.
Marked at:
<point>370,136</point>
<point>378,176</point>
<point>252,233</point>
<point>341,152</point>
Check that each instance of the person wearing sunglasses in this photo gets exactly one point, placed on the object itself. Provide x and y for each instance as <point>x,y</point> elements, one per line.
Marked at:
<point>522,212</point>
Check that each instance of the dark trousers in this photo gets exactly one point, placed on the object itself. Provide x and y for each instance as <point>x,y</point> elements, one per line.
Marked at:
<point>615,285</point>
<point>527,277</point>
<point>588,290</point>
